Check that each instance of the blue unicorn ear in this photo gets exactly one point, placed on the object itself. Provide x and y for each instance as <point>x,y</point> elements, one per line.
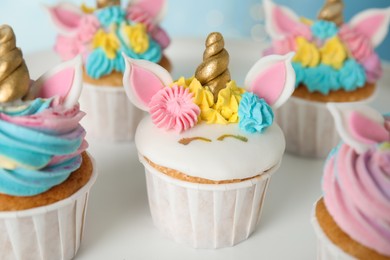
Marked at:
<point>272,78</point>
<point>64,80</point>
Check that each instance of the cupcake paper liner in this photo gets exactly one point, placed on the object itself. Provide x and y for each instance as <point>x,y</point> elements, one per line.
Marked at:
<point>308,126</point>
<point>110,115</point>
<point>326,250</point>
<point>48,232</point>
<point>205,215</point>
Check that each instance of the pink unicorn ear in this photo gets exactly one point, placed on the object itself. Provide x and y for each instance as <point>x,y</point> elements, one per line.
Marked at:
<point>142,79</point>
<point>65,81</point>
<point>279,20</point>
<point>272,78</point>
<point>66,17</point>
<point>155,8</point>
<point>359,126</point>
<point>373,23</point>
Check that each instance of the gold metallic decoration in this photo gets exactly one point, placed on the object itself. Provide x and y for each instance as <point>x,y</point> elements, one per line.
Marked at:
<point>213,72</point>
<point>186,141</point>
<point>105,3</point>
<point>14,76</point>
<point>238,137</point>
<point>332,11</point>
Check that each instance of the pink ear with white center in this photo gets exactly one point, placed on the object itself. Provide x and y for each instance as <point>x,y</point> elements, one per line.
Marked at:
<point>272,78</point>
<point>142,80</point>
<point>64,80</point>
<point>279,20</point>
<point>373,23</point>
<point>154,8</point>
<point>66,17</point>
<point>358,125</point>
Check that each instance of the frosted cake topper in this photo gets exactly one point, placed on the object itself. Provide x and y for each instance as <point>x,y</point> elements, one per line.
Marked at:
<point>281,21</point>
<point>359,126</point>
<point>180,105</point>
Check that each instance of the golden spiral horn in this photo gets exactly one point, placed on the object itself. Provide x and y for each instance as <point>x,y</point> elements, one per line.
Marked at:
<point>14,76</point>
<point>332,11</point>
<point>105,3</point>
<point>214,72</point>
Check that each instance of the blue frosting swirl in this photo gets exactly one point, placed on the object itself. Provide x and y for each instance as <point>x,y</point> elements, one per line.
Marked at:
<point>111,15</point>
<point>324,29</point>
<point>35,107</point>
<point>254,113</point>
<point>352,75</point>
<point>98,64</point>
<point>322,78</point>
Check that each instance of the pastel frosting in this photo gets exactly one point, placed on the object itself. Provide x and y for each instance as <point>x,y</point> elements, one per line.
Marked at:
<point>40,145</point>
<point>327,57</point>
<point>357,194</point>
<point>102,36</point>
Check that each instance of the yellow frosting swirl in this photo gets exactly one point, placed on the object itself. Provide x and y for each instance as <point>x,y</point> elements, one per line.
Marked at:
<point>333,53</point>
<point>224,111</point>
<point>307,53</point>
<point>107,41</point>
<point>136,37</point>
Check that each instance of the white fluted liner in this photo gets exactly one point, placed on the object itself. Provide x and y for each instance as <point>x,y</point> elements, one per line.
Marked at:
<point>45,233</point>
<point>326,250</point>
<point>205,215</point>
<point>110,116</point>
<point>308,126</point>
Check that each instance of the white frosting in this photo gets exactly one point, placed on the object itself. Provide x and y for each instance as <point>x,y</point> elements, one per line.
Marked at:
<point>216,160</point>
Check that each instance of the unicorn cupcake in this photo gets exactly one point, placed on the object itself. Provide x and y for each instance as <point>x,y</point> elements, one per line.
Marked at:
<point>209,147</point>
<point>101,34</point>
<point>334,62</point>
<point>352,219</point>
<point>45,172</point>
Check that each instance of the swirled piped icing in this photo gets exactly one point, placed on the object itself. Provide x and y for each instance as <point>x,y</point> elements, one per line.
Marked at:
<point>41,140</point>
<point>40,143</point>
<point>331,47</point>
<point>356,183</point>
<point>102,35</point>
<point>357,194</point>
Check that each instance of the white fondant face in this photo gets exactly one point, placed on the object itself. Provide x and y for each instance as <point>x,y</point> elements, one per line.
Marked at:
<point>216,160</point>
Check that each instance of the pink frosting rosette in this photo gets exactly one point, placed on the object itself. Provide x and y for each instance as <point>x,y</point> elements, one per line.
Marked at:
<point>356,181</point>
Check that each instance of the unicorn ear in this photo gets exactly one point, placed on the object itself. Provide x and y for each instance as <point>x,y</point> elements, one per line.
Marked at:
<point>65,81</point>
<point>142,79</point>
<point>154,8</point>
<point>272,78</point>
<point>66,17</point>
<point>279,20</point>
<point>359,126</point>
<point>373,23</point>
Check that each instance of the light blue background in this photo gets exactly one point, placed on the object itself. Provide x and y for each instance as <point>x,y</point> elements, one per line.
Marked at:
<point>184,18</point>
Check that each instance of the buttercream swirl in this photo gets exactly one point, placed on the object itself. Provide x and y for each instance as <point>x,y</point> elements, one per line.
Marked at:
<point>322,79</point>
<point>358,45</point>
<point>324,29</point>
<point>40,146</point>
<point>254,113</point>
<point>333,53</point>
<point>102,37</point>
<point>357,194</point>
<point>352,75</point>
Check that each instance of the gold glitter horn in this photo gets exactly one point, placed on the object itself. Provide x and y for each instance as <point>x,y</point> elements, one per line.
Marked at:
<point>105,3</point>
<point>213,72</point>
<point>332,11</point>
<point>14,76</point>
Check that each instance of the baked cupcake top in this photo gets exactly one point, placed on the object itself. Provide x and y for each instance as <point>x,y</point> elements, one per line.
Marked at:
<point>40,136</point>
<point>356,181</point>
<point>101,34</point>
<point>207,124</point>
<point>330,55</point>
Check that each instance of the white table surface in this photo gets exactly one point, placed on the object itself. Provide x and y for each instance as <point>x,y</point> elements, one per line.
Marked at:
<point>119,225</point>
